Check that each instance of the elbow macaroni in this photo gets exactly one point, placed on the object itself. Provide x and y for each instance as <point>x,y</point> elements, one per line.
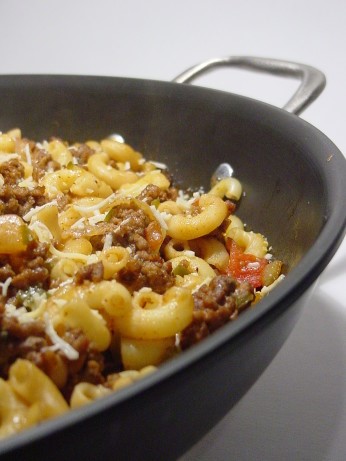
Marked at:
<point>155,317</point>
<point>99,166</point>
<point>27,398</point>
<point>125,254</point>
<point>188,226</point>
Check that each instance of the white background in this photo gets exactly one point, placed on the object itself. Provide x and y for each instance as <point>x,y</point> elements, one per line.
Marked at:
<point>297,409</point>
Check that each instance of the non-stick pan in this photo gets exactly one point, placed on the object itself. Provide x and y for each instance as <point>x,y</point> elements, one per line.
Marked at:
<point>294,179</point>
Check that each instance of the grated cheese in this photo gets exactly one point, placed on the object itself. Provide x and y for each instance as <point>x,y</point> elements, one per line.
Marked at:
<point>59,343</point>
<point>62,254</point>
<point>42,145</point>
<point>6,157</point>
<point>41,230</point>
<point>99,217</point>
<point>12,311</point>
<point>160,165</point>
<point>266,289</point>
<point>35,210</point>
<point>4,285</point>
<point>184,201</point>
<point>159,217</point>
<point>27,154</point>
<point>108,242</point>
<point>29,183</point>
<point>99,205</point>
<point>166,216</point>
<point>117,229</point>
<point>91,259</point>
<point>254,265</point>
<point>78,224</point>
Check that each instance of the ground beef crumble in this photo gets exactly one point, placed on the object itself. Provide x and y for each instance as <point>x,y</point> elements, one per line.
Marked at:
<point>145,267</point>
<point>149,271</point>
<point>42,162</point>
<point>82,153</point>
<point>152,192</point>
<point>19,200</point>
<point>13,198</point>
<point>28,268</point>
<point>92,272</point>
<point>215,305</point>
<point>12,171</point>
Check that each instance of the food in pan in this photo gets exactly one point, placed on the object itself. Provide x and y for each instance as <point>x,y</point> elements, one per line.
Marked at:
<point>107,270</point>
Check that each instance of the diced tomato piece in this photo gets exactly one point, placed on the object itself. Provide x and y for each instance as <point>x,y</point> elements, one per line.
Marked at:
<point>245,267</point>
<point>154,235</point>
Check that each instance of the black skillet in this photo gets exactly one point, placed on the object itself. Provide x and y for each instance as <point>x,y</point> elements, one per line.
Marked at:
<point>294,179</point>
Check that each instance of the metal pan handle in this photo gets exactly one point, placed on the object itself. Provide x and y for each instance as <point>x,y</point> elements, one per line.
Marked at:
<point>312,80</point>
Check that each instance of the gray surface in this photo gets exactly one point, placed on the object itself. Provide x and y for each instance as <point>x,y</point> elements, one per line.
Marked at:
<point>297,409</point>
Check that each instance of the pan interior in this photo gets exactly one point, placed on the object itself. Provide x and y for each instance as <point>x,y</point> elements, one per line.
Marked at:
<point>193,130</point>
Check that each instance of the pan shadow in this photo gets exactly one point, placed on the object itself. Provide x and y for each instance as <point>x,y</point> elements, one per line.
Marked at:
<point>296,408</point>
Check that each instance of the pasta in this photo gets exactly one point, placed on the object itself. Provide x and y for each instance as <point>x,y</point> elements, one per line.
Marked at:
<point>107,271</point>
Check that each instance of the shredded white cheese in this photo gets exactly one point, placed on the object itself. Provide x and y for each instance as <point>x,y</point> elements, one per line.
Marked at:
<point>159,217</point>
<point>42,145</point>
<point>6,157</point>
<point>161,166</point>
<point>266,289</point>
<point>12,311</point>
<point>59,343</point>
<point>29,183</point>
<point>254,265</point>
<point>91,259</point>
<point>99,205</point>
<point>4,285</point>
<point>35,210</point>
<point>98,217</point>
<point>117,229</point>
<point>41,230</point>
<point>27,154</point>
<point>62,254</point>
<point>78,224</point>
<point>184,201</point>
<point>108,242</point>
<point>166,216</point>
